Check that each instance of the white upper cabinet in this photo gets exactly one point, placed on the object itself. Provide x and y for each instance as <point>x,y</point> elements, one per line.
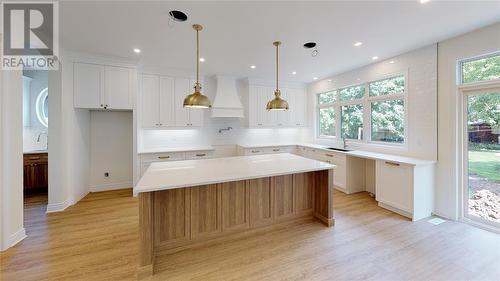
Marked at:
<point>298,107</point>
<point>259,117</point>
<point>102,87</point>
<point>88,85</point>
<point>118,87</point>
<point>167,98</point>
<point>162,98</point>
<point>181,113</point>
<point>150,101</point>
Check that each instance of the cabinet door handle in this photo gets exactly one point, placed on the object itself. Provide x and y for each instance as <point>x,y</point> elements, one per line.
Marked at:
<point>276,149</point>
<point>163,157</point>
<point>259,124</point>
<point>329,155</point>
<point>201,155</point>
<point>392,164</point>
<point>255,151</point>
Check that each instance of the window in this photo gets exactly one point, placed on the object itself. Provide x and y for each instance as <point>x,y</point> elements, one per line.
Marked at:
<point>327,124</point>
<point>352,93</point>
<point>352,121</point>
<point>481,69</point>
<point>42,107</point>
<point>380,103</point>
<point>387,120</point>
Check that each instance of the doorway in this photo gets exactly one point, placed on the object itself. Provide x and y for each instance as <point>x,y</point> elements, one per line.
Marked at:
<point>481,156</point>
<point>35,139</point>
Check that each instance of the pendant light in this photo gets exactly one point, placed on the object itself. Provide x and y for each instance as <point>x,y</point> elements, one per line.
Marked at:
<point>277,103</point>
<point>196,99</point>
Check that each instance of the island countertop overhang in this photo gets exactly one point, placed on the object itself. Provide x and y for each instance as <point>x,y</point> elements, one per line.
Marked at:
<point>189,173</point>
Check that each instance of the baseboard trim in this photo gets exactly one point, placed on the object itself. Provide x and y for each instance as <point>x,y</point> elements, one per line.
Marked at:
<point>58,207</point>
<point>110,186</point>
<point>15,238</point>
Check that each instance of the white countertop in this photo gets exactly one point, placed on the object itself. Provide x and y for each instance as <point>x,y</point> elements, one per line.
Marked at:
<point>259,145</point>
<point>390,157</point>
<point>35,152</point>
<point>179,174</point>
<point>176,149</point>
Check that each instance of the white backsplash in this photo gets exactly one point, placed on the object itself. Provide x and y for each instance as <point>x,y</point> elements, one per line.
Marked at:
<point>30,136</point>
<point>209,135</point>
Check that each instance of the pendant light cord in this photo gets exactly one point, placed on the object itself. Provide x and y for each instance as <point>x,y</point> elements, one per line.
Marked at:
<point>277,87</point>
<point>197,56</point>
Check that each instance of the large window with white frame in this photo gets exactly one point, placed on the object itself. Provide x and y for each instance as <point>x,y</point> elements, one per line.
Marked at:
<point>380,104</point>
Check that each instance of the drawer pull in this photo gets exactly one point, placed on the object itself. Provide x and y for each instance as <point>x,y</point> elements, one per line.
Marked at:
<point>392,163</point>
<point>201,155</point>
<point>329,155</point>
<point>255,151</point>
<point>276,149</point>
<point>163,157</point>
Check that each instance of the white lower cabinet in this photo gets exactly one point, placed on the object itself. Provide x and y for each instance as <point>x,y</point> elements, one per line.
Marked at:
<point>405,189</point>
<point>148,158</point>
<point>266,150</point>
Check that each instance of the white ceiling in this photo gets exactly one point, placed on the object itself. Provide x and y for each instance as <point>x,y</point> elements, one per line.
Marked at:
<point>239,34</point>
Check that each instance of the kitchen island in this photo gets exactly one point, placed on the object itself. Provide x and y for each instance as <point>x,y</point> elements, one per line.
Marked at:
<point>185,204</point>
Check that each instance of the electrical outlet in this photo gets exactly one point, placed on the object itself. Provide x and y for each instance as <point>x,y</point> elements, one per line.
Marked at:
<point>106,174</point>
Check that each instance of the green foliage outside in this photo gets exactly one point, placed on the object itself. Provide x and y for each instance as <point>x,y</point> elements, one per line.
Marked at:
<point>484,108</point>
<point>388,121</point>
<point>352,93</point>
<point>481,70</point>
<point>394,85</point>
<point>352,121</point>
<point>328,97</point>
<point>327,122</point>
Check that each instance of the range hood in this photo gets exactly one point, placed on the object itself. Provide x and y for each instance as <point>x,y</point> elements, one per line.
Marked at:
<point>226,102</point>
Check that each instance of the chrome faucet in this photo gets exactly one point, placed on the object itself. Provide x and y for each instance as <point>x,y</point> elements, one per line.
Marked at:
<point>46,135</point>
<point>344,143</point>
<point>225,129</point>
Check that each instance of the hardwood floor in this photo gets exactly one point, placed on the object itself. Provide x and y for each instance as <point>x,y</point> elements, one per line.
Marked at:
<point>97,240</point>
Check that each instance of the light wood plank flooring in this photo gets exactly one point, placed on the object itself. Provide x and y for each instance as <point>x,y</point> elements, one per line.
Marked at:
<point>97,240</point>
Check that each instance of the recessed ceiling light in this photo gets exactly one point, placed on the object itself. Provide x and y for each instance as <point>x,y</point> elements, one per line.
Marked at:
<point>202,59</point>
<point>357,44</point>
<point>137,50</point>
<point>309,45</point>
<point>423,1</point>
<point>315,78</point>
<point>294,72</point>
<point>391,61</point>
<point>252,66</point>
<point>359,79</point>
<point>375,58</point>
<point>177,16</point>
<point>329,80</point>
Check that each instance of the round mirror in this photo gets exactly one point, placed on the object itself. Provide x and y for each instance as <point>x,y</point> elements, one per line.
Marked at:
<point>42,107</point>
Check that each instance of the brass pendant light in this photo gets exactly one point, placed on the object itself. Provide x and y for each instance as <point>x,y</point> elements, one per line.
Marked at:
<point>277,103</point>
<point>196,99</point>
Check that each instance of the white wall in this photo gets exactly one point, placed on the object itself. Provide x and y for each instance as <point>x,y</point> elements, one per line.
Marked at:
<point>111,147</point>
<point>11,161</point>
<point>69,145</point>
<point>32,126</point>
<point>421,66</point>
<point>481,41</point>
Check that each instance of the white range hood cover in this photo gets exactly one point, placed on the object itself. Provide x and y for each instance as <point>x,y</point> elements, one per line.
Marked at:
<point>226,102</point>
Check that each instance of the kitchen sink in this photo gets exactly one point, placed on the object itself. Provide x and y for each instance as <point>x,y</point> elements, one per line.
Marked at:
<point>338,149</point>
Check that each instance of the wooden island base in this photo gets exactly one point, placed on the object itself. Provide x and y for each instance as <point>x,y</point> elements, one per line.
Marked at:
<point>176,219</point>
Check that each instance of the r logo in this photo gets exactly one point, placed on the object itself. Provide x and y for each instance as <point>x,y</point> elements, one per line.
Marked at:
<point>28,29</point>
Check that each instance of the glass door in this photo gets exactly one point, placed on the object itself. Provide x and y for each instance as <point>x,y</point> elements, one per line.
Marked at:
<point>482,156</point>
